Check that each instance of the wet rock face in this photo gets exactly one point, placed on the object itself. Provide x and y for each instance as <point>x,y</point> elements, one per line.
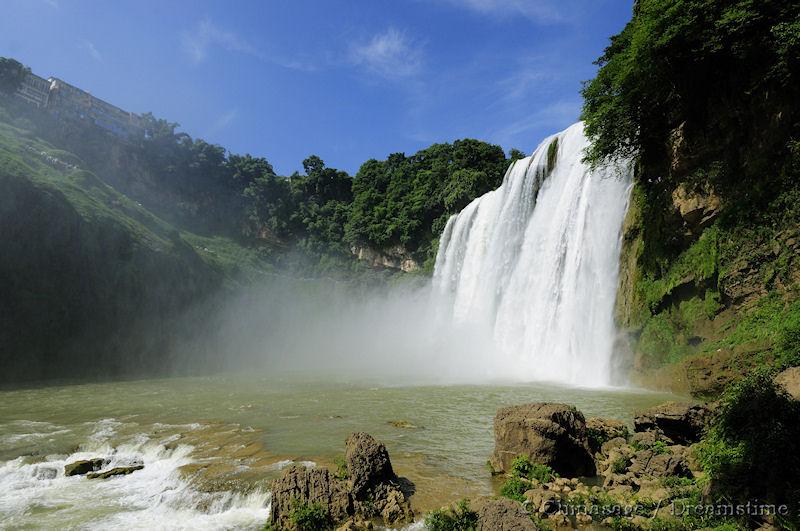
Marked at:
<point>368,463</point>
<point>676,422</point>
<point>550,434</point>
<point>301,485</point>
<point>503,514</point>
<point>78,468</point>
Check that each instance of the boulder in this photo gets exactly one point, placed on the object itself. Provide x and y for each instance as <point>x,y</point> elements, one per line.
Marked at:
<point>502,514</point>
<point>79,468</point>
<point>368,463</point>
<point>600,430</point>
<point>680,423</point>
<point>301,485</point>
<point>647,463</point>
<point>790,381</point>
<point>550,434</point>
<point>118,471</point>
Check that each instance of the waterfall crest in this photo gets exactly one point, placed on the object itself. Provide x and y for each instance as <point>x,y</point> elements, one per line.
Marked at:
<point>535,263</point>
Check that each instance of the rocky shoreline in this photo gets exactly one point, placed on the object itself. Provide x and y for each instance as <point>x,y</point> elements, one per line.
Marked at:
<point>562,471</point>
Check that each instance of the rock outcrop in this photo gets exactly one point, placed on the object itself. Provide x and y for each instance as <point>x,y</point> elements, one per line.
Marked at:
<point>395,257</point>
<point>368,463</point>
<point>676,422</point>
<point>600,430</point>
<point>79,468</point>
<point>306,486</point>
<point>549,434</point>
<point>789,380</point>
<point>371,490</point>
<point>503,515</point>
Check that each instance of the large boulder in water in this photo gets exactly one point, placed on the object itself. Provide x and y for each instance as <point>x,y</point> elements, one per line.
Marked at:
<point>549,434</point>
<point>368,463</point>
<point>300,486</point>
<point>678,423</point>
<point>373,484</point>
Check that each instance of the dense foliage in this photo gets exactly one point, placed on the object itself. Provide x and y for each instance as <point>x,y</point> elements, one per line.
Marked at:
<point>407,200</point>
<point>728,66</point>
<point>752,452</point>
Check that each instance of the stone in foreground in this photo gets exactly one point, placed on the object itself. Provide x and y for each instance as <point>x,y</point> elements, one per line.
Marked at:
<point>79,468</point>
<point>550,434</point>
<point>299,484</point>
<point>679,423</point>
<point>118,471</point>
<point>502,514</point>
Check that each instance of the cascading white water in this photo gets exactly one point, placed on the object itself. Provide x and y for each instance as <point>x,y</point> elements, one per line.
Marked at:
<point>535,263</point>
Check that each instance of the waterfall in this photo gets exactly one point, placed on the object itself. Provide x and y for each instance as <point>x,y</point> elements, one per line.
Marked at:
<point>535,263</point>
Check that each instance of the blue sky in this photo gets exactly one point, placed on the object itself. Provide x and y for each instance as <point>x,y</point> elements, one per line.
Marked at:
<point>346,80</point>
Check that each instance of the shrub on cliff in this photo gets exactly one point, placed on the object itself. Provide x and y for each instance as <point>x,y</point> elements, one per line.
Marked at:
<point>752,452</point>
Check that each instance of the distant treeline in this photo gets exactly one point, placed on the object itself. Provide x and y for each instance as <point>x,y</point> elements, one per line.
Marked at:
<point>403,200</point>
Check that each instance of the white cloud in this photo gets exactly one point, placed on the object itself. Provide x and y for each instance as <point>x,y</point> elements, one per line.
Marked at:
<point>206,35</point>
<point>536,10</point>
<point>390,55</point>
<point>93,51</point>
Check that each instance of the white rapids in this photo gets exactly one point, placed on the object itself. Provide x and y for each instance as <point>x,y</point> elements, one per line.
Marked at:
<point>535,263</point>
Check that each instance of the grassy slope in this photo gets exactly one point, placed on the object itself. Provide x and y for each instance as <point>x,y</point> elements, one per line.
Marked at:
<point>92,282</point>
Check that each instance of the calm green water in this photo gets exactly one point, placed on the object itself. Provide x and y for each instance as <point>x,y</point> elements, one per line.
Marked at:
<point>247,427</point>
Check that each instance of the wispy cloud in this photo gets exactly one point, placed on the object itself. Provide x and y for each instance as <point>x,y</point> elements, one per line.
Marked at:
<point>390,55</point>
<point>223,121</point>
<point>92,50</point>
<point>544,11</point>
<point>556,115</point>
<point>199,41</point>
<point>206,35</point>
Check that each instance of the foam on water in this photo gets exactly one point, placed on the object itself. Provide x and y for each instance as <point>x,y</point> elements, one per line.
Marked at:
<point>156,497</point>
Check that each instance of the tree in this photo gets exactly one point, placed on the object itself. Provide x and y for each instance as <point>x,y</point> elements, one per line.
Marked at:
<point>12,74</point>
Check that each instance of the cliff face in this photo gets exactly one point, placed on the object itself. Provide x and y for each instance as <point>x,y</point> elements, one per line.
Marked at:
<point>708,287</point>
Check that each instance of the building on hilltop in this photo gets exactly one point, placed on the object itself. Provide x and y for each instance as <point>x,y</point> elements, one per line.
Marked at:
<point>34,90</point>
<point>68,102</point>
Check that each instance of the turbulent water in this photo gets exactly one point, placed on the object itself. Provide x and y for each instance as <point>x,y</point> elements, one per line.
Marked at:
<point>534,263</point>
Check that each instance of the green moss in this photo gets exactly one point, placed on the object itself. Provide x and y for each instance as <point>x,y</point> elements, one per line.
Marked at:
<point>341,468</point>
<point>310,516</point>
<point>552,155</point>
